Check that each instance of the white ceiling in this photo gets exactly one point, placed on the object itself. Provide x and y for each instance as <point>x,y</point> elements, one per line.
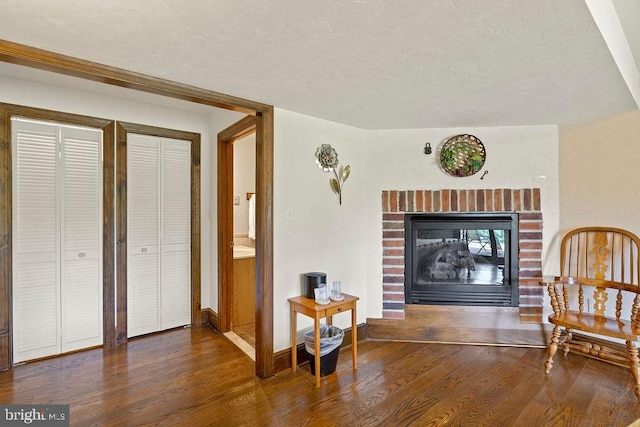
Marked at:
<point>374,64</point>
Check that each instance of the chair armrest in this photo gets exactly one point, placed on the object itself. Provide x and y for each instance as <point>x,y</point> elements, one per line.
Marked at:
<point>546,280</point>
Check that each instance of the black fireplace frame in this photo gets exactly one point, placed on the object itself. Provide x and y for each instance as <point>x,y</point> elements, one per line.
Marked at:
<point>462,294</point>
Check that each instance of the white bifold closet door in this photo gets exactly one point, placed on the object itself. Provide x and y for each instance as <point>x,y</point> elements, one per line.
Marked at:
<point>158,234</point>
<point>57,239</point>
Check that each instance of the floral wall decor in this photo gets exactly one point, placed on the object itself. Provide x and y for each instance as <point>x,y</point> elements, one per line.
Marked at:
<point>327,160</point>
<point>462,155</point>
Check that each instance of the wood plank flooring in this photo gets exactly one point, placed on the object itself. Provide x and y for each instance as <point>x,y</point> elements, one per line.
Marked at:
<point>196,377</point>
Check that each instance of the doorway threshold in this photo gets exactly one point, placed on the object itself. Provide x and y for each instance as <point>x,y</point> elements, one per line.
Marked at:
<point>241,344</point>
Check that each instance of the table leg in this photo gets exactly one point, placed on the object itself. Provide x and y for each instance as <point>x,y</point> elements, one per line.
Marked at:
<point>316,335</point>
<point>294,345</point>
<point>354,338</point>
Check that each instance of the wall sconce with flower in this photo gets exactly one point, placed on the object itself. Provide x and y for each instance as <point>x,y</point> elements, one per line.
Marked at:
<point>327,160</point>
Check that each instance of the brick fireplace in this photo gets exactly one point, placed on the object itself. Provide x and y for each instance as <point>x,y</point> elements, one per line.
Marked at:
<point>525,202</point>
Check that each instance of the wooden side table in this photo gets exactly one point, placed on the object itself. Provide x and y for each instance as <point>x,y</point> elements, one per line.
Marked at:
<point>308,307</point>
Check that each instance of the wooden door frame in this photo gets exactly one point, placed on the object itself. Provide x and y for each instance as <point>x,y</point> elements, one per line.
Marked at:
<point>28,56</point>
<point>7,111</point>
<point>123,129</point>
<point>226,138</point>
<point>264,306</point>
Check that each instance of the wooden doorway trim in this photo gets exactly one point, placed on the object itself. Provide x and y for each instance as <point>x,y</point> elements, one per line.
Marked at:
<point>122,131</point>
<point>28,56</point>
<point>62,64</point>
<point>264,233</point>
<point>264,243</point>
<point>226,138</point>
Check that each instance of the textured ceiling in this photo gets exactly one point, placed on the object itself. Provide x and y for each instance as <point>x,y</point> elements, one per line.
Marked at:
<point>374,64</point>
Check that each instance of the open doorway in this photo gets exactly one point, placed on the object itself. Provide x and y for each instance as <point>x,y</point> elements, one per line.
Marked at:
<point>239,238</point>
<point>242,304</point>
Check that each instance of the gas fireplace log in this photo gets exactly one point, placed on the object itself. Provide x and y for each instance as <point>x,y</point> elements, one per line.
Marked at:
<point>444,260</point>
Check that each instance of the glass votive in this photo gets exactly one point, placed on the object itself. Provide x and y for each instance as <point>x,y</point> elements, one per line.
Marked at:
<point>336,292</point>
<point>321,294</point>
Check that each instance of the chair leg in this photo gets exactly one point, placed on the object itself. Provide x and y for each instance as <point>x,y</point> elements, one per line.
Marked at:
<point>551,350</point>
<point>634,364</point>
<point>567,337</point>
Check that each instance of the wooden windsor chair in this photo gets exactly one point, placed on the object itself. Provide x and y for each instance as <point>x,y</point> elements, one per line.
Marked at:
<point>598,294</point>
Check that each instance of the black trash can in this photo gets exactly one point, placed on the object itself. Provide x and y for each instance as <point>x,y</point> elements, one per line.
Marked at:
<point>330,340</point>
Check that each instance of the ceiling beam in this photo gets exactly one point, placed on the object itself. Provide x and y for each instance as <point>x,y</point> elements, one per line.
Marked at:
<point>19,54</point>
<point>606,18</point>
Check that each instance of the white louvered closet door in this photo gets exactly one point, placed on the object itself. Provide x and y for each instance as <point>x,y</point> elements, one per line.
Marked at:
<point>159,230</point>
<point>176,233</point>
<point>36,264</point>
<point>50,291</point>
<point>81,293</point>
<point>143,225</point>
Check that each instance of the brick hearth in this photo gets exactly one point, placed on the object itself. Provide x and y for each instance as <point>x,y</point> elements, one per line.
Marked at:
<point>525,202</point>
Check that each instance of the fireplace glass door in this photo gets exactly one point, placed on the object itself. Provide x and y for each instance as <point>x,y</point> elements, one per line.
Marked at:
<point>461,259</point>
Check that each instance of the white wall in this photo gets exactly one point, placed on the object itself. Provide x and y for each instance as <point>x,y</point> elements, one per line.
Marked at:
<point>244,180</point>
<point>345,241</point>
<point>58,98</point>
<point>599,174</point>
<point>323,235</point>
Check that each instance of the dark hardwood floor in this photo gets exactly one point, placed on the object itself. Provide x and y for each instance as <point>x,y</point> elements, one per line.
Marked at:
<point>197,377</point>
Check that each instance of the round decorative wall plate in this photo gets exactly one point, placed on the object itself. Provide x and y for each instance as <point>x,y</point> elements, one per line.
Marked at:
<point>462,155</point>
